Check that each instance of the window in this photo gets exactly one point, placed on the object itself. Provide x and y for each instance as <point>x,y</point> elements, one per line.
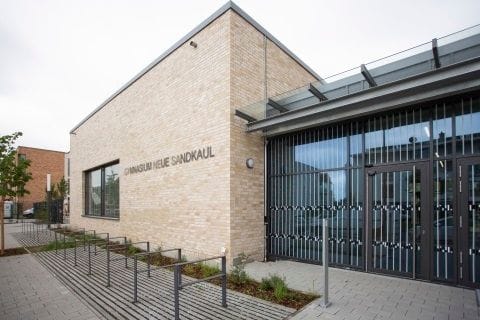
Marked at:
<point>22,156</point>
<point>102,188</point>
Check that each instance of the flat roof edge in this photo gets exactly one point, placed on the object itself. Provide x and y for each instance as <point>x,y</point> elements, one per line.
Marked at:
<point>227,6</point>
<point>41,149</point>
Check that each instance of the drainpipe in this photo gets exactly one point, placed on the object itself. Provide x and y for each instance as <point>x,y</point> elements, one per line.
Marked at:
<point>265,198</point>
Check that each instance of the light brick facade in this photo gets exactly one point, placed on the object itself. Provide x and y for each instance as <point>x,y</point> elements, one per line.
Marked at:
<point>42,162</point>
<point>187,102</point>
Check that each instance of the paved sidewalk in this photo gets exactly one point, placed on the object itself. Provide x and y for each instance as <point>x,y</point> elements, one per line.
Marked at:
<point>28,291</point>
<point>358,295</point>
<point>10,241</point>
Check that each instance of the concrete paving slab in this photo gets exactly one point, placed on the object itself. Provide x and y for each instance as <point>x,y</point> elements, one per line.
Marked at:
<point>28,292</point>
<point>359,295</point>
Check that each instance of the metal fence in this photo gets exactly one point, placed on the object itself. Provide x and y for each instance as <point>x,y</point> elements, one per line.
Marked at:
<point>54,215</point>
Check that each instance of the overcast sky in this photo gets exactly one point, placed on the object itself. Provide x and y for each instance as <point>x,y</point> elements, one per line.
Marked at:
<point>60,59</point>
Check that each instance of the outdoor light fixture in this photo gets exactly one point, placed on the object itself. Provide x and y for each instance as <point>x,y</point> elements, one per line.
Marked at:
<point>193,44</point>
<point>249,163</point>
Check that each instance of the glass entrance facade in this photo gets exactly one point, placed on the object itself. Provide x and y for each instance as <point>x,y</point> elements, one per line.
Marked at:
<point>388,186</point>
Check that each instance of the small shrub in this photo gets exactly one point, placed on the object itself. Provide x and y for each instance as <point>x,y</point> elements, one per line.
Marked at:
<point>208,271</point>
<point>280,290</point>
<point>266,284</point>
<point>238,274</point>
<point>277,284</point>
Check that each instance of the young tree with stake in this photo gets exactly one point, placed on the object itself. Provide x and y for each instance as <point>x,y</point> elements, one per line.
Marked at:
<point>13,176</point>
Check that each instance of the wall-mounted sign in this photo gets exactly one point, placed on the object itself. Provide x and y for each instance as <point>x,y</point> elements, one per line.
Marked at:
<point>189,156</point>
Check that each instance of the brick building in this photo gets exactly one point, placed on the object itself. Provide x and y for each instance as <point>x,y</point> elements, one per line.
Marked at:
<point>42,162</point>
<point>228,140</point>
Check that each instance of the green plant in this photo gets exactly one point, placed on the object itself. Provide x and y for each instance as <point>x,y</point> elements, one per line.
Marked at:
<point>277,284</point>
<point>280,291</point>
<point>266,284</point>
<point>13,176</point>
<point>238,274</point>
<point>208,271</point>
<point>59,245</point>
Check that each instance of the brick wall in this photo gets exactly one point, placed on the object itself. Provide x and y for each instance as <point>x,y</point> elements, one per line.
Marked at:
<point>185,102</point>
<point>259,67</point>
<point>42,162</point>
<point>180,105</point>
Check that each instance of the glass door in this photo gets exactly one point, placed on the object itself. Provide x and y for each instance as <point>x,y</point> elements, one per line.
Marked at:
<point>396,220</point>
<point>469,226</point>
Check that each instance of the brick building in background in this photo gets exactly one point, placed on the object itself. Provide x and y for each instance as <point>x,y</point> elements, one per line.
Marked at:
<point>42,162</point>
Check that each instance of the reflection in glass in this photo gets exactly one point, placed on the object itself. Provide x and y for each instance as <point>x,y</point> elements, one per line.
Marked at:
<point>467,126</point>
<point>399,136</point>
<point>442,130</point>
<point>443,216</point>
<point>94,193</point>
<point>393,217</point>
<point>473,213</point>
<point>112,199</point>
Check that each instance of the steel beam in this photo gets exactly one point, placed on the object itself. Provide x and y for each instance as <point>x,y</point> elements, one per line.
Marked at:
<point>438,83</point>
<point>436,58</point>
<point>244,116</point>
<point>276,106</point>
<point>366,74</point>
<point>317,93</point>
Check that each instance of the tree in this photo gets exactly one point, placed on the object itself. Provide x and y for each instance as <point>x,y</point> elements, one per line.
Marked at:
<point>13,176</point>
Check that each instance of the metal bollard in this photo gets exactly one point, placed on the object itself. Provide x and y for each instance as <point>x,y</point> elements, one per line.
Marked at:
<point>108,266</point>
<point>224,282</point>
<point>325,303</point>
<point>126,253</point>
<point>179,255</point>
<point>75,253</point>
<point>135,279</point>
<point>56,244</point>
<point>148,259</point>
<point>176,272</point>
<point>89,260</point>
<point>64,248</point>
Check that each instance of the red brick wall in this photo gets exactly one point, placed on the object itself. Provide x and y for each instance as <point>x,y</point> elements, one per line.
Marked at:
<point>42,162</point>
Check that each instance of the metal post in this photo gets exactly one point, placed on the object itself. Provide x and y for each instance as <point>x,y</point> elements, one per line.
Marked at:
<point>89,260</point>
<point>56,244</point>
<point>108,266</point>
<point>84,239</point>
<point>135,279</point>
<point>325,302</point>
<point>179,255</point>
<point>64,248</point>
<point>75,253</point>
<point>176,272</point>
<point>148,259</point>
<point>414,251</point>
<point>224,282</point>
<point>126,253</point>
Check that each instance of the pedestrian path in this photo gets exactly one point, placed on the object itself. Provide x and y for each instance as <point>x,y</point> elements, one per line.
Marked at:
<point>29,292</point>
<point>359,295</point>
<point>156,299</point>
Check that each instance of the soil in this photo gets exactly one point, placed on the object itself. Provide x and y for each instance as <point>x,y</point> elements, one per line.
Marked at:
<point>13,252</point>
<point>294,299</point>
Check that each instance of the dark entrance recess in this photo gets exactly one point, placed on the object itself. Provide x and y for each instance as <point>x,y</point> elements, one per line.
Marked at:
<point>401,191</point>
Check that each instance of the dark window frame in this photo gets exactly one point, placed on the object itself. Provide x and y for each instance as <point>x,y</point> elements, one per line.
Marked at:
<point>102,192</point>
